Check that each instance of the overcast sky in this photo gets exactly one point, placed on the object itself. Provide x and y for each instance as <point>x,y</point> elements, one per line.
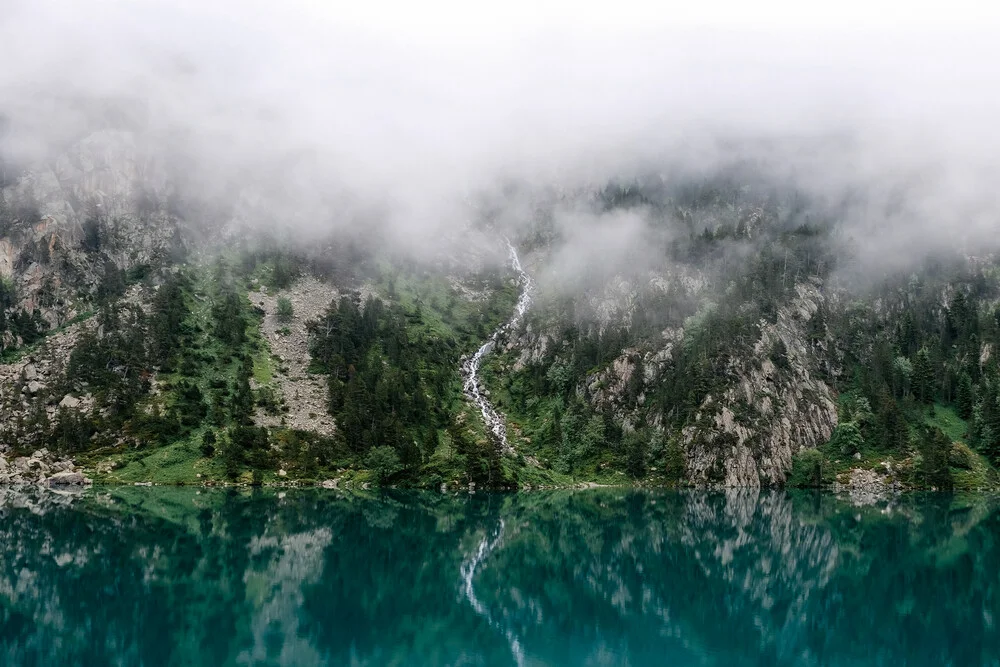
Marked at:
<point>412,106</point>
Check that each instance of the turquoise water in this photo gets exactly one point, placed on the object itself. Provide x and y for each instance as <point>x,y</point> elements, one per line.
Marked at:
<point>603,577</point>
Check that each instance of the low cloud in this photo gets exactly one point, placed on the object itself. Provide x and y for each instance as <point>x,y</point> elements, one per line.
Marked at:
<point>322,117</point>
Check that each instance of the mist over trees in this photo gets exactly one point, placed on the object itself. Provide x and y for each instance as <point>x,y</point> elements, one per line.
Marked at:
<point>330,120</point>
<point>678,192</point>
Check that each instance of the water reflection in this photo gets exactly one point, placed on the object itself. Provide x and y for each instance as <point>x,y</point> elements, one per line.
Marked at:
<point>602,577</point>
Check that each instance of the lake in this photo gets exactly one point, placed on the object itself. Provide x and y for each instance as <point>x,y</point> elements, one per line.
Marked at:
<point>177,576</point>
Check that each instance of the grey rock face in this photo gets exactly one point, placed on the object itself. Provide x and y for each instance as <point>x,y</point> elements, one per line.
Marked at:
<point>68,478</point>
<point>104,179</point>
<point>746,436</point>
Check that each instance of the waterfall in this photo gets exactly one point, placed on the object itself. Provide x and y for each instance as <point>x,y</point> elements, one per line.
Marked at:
<point>470,367</point>
<point>469,567</point>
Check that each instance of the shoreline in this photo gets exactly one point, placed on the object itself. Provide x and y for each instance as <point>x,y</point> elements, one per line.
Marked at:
<point>835,489</point>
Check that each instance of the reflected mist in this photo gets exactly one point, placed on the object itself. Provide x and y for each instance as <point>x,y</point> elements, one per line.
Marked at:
<point>597,577</point>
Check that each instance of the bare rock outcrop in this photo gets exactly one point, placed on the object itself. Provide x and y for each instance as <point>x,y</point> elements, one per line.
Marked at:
<point>41,467</point>
<point>102,200</point>
<point>774,406</point>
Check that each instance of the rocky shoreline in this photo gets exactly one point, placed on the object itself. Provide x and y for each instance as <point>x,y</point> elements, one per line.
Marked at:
<point>47,469</point>
<point>866,487</point>
<point>41,468</point>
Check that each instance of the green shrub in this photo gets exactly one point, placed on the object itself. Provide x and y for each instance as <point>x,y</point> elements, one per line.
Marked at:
<point>285,311</point>
<point>268,399</point>
<point>961,457</point>
<point>208,444</point>
<point>847,438</point>
<point>934,449</point>
<point>810,470</point>
<point>384,462</point>
<point>675,463</point>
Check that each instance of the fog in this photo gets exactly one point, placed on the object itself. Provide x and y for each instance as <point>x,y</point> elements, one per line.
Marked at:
<point>319,116</point>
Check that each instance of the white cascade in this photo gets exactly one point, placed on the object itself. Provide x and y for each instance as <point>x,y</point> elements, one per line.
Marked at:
<point>470,367</point>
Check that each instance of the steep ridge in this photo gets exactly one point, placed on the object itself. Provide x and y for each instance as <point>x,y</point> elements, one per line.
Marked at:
<point>771,406</point>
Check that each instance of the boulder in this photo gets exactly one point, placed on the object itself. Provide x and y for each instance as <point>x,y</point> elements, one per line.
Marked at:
<point>68,478</point>
<point>38,466</point>
<point>329,483</point>
<point>34,387</point>
<point>30,372</point>
<point>69,402</point>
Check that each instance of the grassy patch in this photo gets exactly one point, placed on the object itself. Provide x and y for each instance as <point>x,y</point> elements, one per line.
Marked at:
<point>439,307</point>
<point>263,360</point>
<point>180,462</point>
<point>946,419</point>
<point>970,470</point>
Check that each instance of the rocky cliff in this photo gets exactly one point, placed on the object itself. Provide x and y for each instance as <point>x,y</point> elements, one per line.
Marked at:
<point>774,404</point>
<point>771,394</point>
<point>70,222</point>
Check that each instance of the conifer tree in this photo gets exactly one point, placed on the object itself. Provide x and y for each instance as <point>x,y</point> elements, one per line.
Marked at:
<point>923,376</point>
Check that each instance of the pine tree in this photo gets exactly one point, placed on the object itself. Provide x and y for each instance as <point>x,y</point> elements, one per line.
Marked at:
<point>555,437</point>
<point>675,464</point>
<point>432,441</point>
<point>847,438</point>
<point>636,453</point>
<point>934,449</point>
<point>964,399</point>
<point>991,422</point>
<point>923,376</point>
<point>635,381</point>
<point>893,430</point>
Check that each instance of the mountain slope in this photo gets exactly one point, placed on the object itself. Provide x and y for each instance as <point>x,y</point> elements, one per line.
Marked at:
<point>682,333</point>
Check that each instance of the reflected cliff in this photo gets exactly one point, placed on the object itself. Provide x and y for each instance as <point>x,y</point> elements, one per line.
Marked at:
<point>182,577</point>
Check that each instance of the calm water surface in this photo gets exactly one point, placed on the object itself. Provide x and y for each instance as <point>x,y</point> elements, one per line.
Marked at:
<point>604,577</point>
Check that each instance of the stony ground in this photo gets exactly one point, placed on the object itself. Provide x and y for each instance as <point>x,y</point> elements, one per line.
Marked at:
<point>34,376</point>
<point>304,393</point>
<point>42,467</point>
<point>30,379</point>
